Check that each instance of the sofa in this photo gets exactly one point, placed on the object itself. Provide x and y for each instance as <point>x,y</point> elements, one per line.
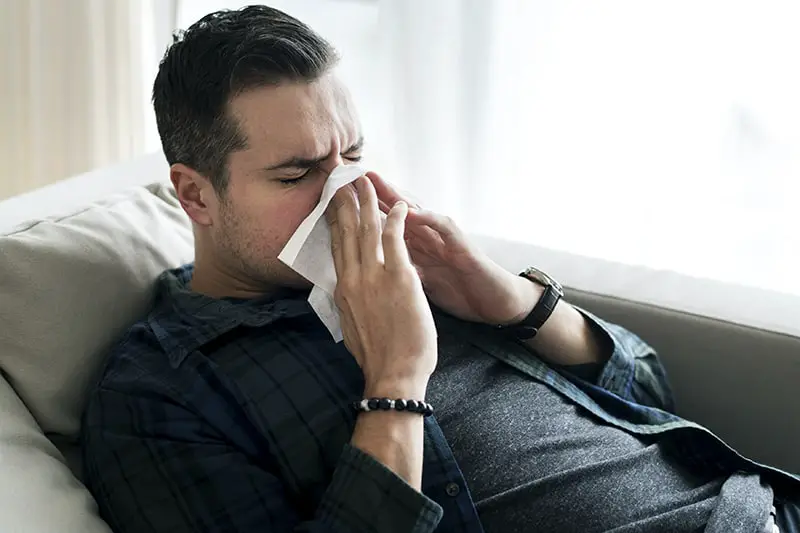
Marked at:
<point>77,265</point>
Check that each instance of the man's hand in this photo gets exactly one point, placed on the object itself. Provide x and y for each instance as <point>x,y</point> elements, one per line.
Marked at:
<point>456,275</point>
<point>465,282</point>
<point>386,320</point>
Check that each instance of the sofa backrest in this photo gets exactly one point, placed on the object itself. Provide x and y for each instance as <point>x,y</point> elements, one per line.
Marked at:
<point>77,265</point>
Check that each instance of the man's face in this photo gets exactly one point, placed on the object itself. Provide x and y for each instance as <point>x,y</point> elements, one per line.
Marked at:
<point>296,135</point>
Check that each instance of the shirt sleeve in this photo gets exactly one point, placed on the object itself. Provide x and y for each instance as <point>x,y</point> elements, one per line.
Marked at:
<point>633,372</point>
<point>154,465</point>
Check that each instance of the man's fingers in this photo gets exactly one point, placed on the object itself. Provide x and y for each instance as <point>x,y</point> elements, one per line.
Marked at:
<point>386,193</point>
<point>384,206</point>
<point>370,228</point>
<point>441,224</point>
<point>394,244</point>
<point>422,233</point>
<point>336,236</point>
<point>342,214</point>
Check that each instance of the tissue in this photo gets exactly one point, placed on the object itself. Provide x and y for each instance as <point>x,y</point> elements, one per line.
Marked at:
<point>308,251</point>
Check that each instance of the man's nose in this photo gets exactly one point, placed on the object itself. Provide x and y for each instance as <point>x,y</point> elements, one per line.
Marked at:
<point>332,162</point>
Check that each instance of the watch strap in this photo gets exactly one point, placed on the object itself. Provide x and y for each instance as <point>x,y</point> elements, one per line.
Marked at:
<point>529,327</point>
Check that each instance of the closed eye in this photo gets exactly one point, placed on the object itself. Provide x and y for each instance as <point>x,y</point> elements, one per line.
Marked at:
<point>353,152</point>
<point>297,179</point>
<point>349,156</point>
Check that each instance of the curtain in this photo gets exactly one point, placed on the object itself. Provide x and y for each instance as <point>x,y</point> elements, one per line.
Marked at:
<point>664,134</point>
<point>75,84</point>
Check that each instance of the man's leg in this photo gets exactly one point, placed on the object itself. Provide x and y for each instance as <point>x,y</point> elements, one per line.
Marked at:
<point>788,513</point>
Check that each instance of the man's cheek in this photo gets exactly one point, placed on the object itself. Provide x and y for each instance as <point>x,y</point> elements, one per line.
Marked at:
<point>289,227</point>
<point>295,211</point>
<point>303,212</point>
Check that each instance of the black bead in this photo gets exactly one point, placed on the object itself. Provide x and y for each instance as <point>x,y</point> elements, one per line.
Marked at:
<point>385,404</point>
<point>411,406</point>
<point>400,404</point>
<point>372,404</point>
<point>428,409</point>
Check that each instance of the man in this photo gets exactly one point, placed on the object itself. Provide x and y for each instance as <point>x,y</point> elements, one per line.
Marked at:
<point>230,408</point>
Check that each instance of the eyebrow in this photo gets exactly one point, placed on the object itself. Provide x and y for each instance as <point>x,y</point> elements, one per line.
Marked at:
<point>306,162</point>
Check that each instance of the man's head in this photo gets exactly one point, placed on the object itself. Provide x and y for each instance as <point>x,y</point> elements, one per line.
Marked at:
<point>252,120</point>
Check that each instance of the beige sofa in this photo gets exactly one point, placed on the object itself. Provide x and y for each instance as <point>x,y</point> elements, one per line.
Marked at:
<point>77,262</point>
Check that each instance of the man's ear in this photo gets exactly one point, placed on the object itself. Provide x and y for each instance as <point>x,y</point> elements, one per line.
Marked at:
<point>195,193</point>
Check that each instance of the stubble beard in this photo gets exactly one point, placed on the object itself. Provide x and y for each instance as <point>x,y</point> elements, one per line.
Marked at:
<point>242,254</point>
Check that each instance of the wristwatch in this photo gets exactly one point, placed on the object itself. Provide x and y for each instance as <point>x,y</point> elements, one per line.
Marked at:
<point>531,324</point>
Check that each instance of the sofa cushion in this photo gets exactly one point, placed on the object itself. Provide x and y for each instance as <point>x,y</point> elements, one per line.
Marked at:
<point>71,285</point>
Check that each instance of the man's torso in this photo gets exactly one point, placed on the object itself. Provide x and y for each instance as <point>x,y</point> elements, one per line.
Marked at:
<point>274,372</point>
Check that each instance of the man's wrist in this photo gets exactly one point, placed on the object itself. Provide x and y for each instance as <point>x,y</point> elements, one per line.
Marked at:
<point>529,295</point>
<point>407,389</point>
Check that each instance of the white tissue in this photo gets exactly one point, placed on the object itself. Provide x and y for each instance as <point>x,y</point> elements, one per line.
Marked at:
<point>308,251</point>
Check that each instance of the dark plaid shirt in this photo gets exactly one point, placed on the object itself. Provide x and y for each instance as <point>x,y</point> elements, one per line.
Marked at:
<point>234,416</point>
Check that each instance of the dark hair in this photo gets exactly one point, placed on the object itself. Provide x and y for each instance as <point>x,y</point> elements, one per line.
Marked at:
<point>221,55</point>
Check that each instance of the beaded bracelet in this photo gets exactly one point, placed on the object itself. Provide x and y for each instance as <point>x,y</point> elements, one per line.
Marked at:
<point>386,404</point>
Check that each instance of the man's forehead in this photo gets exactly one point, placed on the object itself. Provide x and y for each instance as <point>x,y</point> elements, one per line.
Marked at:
<point>285,118</point>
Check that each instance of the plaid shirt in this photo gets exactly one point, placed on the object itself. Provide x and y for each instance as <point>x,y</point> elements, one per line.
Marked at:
<point>234,416</point>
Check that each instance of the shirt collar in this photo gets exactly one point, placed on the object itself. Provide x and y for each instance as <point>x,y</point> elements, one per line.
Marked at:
<point>183,320</point>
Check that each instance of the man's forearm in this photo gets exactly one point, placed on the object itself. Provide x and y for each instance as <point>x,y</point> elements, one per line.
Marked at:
<point>566,338</point>
<point>393,439</point>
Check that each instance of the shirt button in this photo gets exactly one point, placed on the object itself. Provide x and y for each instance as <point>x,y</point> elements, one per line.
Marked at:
<point>452,489</point>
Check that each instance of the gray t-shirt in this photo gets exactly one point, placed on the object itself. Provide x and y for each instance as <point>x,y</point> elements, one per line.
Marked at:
<point>535,461</point>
